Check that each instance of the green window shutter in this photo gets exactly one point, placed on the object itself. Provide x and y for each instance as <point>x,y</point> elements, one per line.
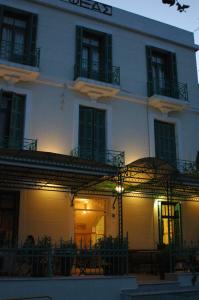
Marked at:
<point>79,41</point>
<point>165,144</point>
<point>174,75</point>
<point>2,142</point>
<point>160,224</point>
<point>32,56</point>
<point>86,132</point>
<point>149,71</point>
<point>1,19</point>
<point>178,225</point>
<point>17,121</point>
<point>99,141</point>
<point>108,58</point>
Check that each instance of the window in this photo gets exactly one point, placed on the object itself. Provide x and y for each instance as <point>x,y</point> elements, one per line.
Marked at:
<point>169,215</point>
<point>93,55</point>
<point>162,72</point>
<point>18,36</point>
<point>165,144</point>
<point>12,110</point>
<point>92,135</point>
<point>9,212</point>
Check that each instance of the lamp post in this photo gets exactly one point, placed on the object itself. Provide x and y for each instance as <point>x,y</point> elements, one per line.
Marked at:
<point>119,190</point>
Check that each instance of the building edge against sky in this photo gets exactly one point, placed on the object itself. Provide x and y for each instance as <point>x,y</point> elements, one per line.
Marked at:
<point>80,82</point>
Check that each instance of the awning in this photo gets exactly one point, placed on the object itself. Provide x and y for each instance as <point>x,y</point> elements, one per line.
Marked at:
<point>24,169</point>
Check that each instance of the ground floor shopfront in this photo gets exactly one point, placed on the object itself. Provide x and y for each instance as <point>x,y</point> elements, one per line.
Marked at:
<point>81,210</point>
<point>149,222</point>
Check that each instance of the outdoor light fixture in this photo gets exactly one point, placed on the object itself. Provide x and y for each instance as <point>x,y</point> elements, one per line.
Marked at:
<point>119,189</point>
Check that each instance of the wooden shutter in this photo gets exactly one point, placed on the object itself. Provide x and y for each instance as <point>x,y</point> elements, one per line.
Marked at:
<point>99,141</point>
<point>16,121</point>
<point>86,132</point>
<point>177,225</point>
<point>149,71</point>
<point>108,58</point>
<point>79,41</point>
<point>1,20</point>
<point>160,223</point>
<point>165,144</point>
<point>174,77</point>
<point>31,40</point>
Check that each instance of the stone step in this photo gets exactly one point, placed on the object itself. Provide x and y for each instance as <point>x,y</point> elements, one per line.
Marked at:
<point>169,294</point>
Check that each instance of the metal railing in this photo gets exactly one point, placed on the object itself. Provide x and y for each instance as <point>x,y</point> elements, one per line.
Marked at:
<point>25,144</point>
<point>109,256</point>
<point>184,257</point>
<point>168,88</point>
<point>110,157</point>
<point>17,53</point>
<point>188,167</point>
<point>94,71</point>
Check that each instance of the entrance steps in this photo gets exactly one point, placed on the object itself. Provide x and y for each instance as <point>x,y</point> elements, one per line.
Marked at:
<point>166,290</point>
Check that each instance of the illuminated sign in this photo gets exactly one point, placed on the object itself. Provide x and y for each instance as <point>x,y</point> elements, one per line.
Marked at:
<point>92,5</point>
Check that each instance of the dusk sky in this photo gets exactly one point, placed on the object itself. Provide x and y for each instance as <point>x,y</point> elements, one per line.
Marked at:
<point>156,10</point>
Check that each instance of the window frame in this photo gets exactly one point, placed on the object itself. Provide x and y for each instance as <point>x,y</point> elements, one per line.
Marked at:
<point>30,54</point>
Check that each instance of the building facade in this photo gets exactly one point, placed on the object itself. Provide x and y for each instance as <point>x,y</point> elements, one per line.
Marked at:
<point>84,85</point>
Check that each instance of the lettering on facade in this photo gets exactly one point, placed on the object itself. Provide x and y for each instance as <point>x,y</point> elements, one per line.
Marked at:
<point>92,5</point>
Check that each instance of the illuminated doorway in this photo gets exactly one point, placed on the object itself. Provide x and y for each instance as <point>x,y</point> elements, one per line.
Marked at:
<point>90,219</point>
<point>170,229</point>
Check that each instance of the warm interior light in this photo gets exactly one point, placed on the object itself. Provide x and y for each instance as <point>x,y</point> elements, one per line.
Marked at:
<point>82,200</point>
<point>119,189</point>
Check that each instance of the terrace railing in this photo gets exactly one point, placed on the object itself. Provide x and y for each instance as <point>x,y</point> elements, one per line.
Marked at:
<point>109,257</point>
<point>110,157</point>
<point>18,53</point>
<point>94,71</point>
<point>168,88</point>
<point>25,144</point>
<point>184,257</point>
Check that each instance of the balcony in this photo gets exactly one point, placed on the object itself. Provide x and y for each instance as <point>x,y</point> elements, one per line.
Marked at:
<point>96,82</point>
<point>17,63</point>
<point>23,144</point>
<point>167,96</point>
<point>110,157</point>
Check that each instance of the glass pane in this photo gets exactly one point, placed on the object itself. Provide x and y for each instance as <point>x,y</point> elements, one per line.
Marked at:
<point>19,41</point>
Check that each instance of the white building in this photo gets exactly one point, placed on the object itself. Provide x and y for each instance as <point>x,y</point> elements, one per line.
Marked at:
<point>82,78</point>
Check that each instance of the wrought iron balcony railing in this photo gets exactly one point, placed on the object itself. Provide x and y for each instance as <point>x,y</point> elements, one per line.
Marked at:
<point>186,167</point>
<point>168,88</point>
<point>110,157</point>
<point>25,144</point>
<point>94,71</point>
<point>18,53</point>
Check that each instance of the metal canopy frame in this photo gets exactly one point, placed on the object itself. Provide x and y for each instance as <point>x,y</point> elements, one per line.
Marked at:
<point>149,178</point>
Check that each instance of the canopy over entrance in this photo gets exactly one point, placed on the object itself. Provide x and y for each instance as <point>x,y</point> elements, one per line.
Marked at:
<point>49,171</point>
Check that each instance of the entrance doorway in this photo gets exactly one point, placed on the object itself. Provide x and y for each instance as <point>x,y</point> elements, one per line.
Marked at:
<point>90,219</point>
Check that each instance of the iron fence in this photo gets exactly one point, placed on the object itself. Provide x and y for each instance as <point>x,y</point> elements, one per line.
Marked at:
<point>184,257</point>
<point>18,53</point>
<point>25,144</point>
<point>110,157</point>
<point>95,71</point>
<point>103,258</point>
<point>169,88</point>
